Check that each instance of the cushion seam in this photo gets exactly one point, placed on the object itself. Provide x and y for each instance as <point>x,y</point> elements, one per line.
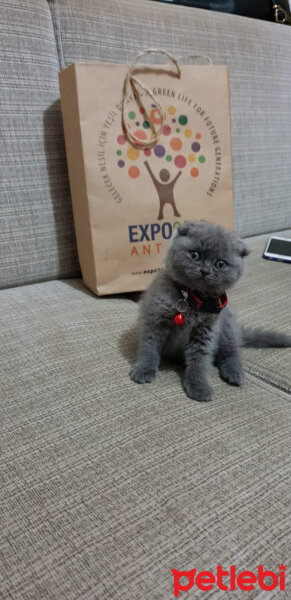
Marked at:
<point>57,31</point>
<point>267,381</point>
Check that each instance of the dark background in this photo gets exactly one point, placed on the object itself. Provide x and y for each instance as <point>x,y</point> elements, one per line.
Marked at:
<point>257,9</point>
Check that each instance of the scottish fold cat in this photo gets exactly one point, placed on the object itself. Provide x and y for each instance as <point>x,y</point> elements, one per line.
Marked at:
<point>184,313</point>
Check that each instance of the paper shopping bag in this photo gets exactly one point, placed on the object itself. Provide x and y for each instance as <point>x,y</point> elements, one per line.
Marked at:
<point>148,147</point>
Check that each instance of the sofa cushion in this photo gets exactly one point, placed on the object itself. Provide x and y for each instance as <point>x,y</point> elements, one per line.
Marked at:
<point>37,234</point>
<point>262,299</point>
<point>106,485</point>
<point>260,78</point>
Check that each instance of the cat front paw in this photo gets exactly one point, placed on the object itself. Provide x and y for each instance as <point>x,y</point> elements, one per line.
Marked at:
<point>231,373</point>
<point>143,374</point>
<point>201,392</point>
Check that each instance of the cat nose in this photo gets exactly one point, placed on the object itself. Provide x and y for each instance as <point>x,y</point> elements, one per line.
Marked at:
<point>204,272</point>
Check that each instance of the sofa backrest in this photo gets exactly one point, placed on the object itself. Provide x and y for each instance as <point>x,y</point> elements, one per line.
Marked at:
<point>37,233</point>
<point>258,56</point>
<point>38,39</point>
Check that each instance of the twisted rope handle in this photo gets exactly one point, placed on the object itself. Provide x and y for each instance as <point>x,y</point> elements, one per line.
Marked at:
<point>132,80</point>
<point>196,56</point>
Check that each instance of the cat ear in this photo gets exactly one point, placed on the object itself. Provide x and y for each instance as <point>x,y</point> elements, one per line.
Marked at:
<point>243,249</point>
<point>184,228</point>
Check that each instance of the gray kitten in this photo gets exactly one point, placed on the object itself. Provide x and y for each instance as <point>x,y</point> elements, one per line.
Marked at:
<point>184,314</point>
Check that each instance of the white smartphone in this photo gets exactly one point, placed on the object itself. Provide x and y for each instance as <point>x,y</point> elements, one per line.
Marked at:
<point>278,248</point>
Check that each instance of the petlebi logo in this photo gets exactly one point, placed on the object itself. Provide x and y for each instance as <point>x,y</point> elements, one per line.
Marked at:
<point>230,580</point>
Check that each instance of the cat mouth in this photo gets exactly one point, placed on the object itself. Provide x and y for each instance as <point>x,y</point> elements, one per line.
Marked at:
<point>206,286</point>
<point>206,277</point>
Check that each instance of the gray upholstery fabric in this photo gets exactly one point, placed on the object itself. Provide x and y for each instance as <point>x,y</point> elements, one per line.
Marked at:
<point>262,299</point>
<point>105,485</point>
<point>260,75</point>
<point>37,234</point>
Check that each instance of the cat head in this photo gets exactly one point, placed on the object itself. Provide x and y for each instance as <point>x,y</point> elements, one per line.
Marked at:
<point>205,257</point>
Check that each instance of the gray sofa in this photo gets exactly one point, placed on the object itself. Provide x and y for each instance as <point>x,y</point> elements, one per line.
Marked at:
<point>107,486</point>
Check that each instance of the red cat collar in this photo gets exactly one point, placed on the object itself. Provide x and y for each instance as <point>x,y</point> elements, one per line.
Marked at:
<point>192,300</point>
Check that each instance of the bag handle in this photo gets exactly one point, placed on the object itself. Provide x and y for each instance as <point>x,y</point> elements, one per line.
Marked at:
<point>196,56</point>
<point>134,82</point>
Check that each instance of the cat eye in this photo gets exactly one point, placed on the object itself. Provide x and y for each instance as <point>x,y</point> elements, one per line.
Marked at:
<point>220,263</point>
<point>195,255</point>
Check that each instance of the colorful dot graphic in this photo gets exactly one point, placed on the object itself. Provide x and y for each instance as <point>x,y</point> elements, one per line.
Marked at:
<point>166,130</point>
<point>160,151</point>
<point>195,147</point>
<point>183,120</point>
<point>133,172</point>
<point>140,134</point>
<point>178,144</point>
<point>155,116</point>
<point>132,153</point>
<point>194,172</point>
<point>180,161</point>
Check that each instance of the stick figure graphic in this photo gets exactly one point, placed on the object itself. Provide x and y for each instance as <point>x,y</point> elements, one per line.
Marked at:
<point>165,189</point>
